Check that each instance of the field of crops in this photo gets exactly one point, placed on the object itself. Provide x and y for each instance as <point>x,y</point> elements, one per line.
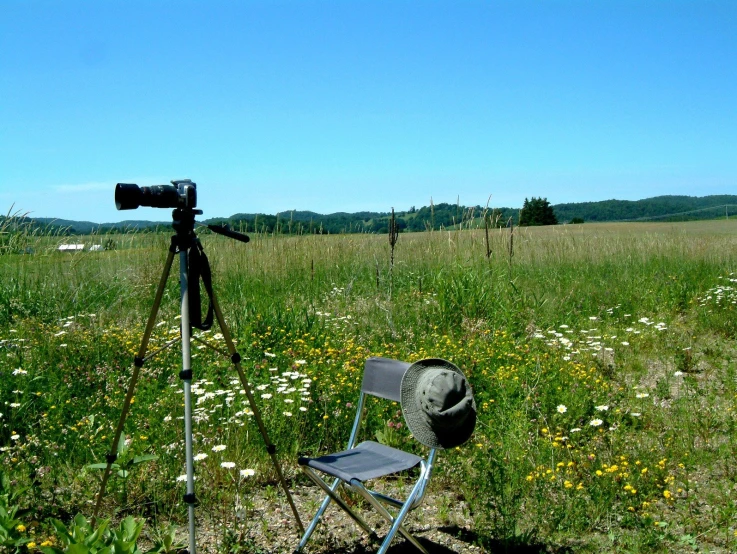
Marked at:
<point>601,356</point>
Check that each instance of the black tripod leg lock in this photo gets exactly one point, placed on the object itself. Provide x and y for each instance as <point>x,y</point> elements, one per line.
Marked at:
<point>185,375</point>
<point>138,362</point>
<point>110,458</point>
<point>190,498</point>
<point>235,358</point>
<point>271,449</point>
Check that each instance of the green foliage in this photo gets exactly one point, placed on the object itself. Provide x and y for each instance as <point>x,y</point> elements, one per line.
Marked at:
<point>537,211</point>
<point>81,537</point>
<point>12,530</point>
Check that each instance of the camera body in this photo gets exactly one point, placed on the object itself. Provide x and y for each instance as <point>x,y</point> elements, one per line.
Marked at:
<point>180,194</point>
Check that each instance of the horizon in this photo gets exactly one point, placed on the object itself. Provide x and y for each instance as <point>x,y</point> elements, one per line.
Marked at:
<point>387,212</point>
<point>364,105</point>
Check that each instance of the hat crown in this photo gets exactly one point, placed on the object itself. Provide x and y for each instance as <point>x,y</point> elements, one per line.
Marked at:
<point>444,397</point>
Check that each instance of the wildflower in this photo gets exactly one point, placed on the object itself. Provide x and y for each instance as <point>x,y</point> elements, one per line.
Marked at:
<point>269,355</point>
<point>199,457</point>
<point>602,408</point>
<point>14,437</point>
<point>227,465</point>
<point>21,528</point>
<point>575,430</point>
<point>642,395</point>
<point>247,472</point>
<point>218,448</point>
<point>667,494</point>
<point>625,343</point>
<point>20,371</point>
<point>14,405</point>
<point>266,396</point>
<point>182,478</point>
<point>31,545</point>
<point>678,373</point>
<point>300,362</point>
<point>302,409</point>
<point>635,414</point>
<point>288,414</point>
<point>595,422</point>
<point>561,409</point>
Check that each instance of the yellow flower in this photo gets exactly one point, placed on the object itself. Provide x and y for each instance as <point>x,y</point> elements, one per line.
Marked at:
<point>31,545</point>
<point>21,528</point>
<point>667,494</point>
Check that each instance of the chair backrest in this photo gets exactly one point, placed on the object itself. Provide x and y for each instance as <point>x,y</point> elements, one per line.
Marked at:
<point>382,377</point>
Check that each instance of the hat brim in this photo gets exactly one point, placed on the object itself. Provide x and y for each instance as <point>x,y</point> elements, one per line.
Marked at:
<point>418,424</point>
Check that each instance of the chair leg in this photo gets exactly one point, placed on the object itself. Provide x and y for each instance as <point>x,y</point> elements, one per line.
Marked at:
<point>332,495</point>
<point>395,521</point>
<point>316,519</point>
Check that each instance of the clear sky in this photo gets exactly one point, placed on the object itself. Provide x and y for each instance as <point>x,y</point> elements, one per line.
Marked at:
<point>349,106</point>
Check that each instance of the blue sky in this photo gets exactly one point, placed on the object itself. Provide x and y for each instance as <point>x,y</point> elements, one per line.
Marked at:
<point>351,106</point>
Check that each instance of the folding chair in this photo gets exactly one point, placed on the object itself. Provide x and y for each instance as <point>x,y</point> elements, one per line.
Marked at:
<point>385,378</point>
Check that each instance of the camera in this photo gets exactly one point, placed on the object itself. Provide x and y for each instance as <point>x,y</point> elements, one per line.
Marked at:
<point>180,194</point>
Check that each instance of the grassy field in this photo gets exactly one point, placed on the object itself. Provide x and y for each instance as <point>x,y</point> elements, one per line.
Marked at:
<point>601,357</point>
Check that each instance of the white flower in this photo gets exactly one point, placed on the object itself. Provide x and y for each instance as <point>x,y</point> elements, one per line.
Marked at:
<point>200,456</point>
<point>14,405</point>
<point>302,409</point>
<point>602,408</point>
<point>227,465</point>
<point>300,362</point>
<point>182,478</point>
<point>167,418</point>
<point>642,395</point>
<point>218,448</point>
<point>14,437</point>
<point>625,343</point>
<point>288,414</point>
<point>266,396</point>
<point>20,371</point>
<point>593,318</point>
<point>635,414</point>
<point>595,422</point>
<point>269,355</point>
<point>678,373</point>
<point>247,473</point>
<point>262,387</point>
<point>575,430</point>
<point>561,409</point>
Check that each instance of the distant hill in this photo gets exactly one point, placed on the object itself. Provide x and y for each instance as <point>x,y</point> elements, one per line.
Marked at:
<point>443,215</point>
<point>661,208</point>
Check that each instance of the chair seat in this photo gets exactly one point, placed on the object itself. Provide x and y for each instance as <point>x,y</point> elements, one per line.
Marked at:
<point>367,460</point>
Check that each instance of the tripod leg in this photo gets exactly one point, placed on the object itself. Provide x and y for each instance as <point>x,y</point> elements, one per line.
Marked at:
<point>138,364</point>
<point>270,448</point>
<point>186,377</point>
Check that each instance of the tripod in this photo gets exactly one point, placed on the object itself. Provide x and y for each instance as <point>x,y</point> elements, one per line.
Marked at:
<point>189,247</point>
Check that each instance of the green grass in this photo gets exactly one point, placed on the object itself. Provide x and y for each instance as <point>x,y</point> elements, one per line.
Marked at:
<point>557,324</point>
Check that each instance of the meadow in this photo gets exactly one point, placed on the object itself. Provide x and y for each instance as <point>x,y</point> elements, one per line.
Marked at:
<point>601,357</point>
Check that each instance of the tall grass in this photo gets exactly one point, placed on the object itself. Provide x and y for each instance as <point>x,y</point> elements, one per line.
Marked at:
<point>306,311</point>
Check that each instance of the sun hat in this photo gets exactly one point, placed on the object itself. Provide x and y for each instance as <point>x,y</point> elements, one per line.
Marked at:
<point>437,402</point>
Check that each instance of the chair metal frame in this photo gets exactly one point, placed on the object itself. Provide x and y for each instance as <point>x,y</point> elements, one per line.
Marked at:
<point>373,369</point>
